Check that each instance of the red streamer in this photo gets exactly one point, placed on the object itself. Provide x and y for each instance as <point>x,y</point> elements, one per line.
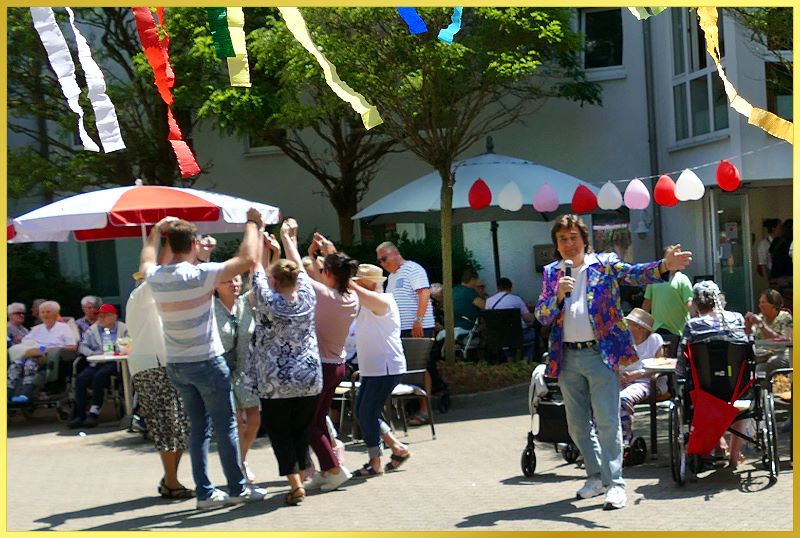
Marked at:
<point>156,49</point>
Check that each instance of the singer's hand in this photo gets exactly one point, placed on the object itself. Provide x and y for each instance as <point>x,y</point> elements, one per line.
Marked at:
<point>565,284</point>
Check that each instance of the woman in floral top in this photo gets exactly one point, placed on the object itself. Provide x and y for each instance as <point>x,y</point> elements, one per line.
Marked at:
<point>284,364</point>
<point>772,322</point>
<point>589,340</point>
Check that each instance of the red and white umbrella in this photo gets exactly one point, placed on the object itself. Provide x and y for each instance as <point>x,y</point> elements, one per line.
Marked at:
<point>129,212</point>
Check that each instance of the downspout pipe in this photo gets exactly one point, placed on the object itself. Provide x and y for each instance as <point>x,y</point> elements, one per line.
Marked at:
<point>652,138</point>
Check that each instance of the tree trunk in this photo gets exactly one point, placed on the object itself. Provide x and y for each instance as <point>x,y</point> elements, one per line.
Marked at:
<point>446,216</point>
<point>346,227</point>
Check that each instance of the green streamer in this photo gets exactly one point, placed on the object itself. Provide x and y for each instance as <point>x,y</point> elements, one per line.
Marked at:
<point>218,21</point>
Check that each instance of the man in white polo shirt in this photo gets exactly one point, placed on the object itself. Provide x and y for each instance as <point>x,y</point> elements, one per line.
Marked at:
<point>183,293</point>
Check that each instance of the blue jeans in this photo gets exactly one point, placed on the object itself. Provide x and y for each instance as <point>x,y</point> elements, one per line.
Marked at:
<point>371,397</point>
<point>588,385</point>
<point>205,388</point>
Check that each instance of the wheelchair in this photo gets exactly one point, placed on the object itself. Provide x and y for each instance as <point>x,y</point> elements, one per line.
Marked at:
<point>720,367</point>
<point>65,405</point>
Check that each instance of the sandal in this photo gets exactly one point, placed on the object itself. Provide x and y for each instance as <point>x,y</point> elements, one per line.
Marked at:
<point>366,471</point>
<point>296,496</point>
<point>396,461</point>
<point>174,493</point>
<point>419,420</point>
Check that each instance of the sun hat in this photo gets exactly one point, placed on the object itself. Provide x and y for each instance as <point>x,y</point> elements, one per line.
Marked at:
<point>642,318</point>
<point>107,309</point>
<point>367,271</point>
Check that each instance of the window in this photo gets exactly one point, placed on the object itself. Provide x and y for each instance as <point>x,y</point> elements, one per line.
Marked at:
<point>698,96</point>
<point>603,31</point>
<point>778,78</point>
<point>264,142</point>
<point>103,275</point>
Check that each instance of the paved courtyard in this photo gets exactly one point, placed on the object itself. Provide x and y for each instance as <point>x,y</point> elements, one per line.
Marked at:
<point>468,478</point>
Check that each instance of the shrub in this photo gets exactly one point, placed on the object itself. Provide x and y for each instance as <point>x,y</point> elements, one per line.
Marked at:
<point>471,377</point>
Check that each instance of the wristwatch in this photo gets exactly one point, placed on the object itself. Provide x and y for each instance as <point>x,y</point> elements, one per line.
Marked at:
<point>419,318</point>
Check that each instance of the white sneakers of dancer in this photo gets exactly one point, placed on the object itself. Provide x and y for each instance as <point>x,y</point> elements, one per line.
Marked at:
<point>592,488</point>
<point>333,481</point>
<point>615,498</point>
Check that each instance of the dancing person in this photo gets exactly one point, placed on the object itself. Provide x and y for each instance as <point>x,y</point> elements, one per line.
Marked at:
<point>381,365</point>
<point>195,365</point>
<point>589,338</point>
<point>235,322</point>
<point>283,365</point>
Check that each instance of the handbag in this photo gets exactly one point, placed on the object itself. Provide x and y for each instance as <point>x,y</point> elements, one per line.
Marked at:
<point>230,355</point>
<point>712,416</point>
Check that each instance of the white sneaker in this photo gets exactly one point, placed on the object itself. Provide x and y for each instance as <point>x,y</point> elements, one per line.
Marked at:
<point>218,498</point>
<point>248,495</point>
<point>592,488</point>
<point>315,482</point>
<point>333,481</point>
<point>615,498</point>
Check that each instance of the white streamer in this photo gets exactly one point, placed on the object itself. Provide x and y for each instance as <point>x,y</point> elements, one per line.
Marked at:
<point>104,112</point>
<point>44,20</point>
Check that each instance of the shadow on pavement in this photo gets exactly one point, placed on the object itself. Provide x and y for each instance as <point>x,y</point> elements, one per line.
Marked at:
<point>563,511</point>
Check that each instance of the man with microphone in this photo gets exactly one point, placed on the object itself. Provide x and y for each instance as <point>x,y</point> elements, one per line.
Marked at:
<point>589,340</point>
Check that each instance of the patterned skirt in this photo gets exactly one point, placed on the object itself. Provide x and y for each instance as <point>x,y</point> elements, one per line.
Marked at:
<point>162,410</point>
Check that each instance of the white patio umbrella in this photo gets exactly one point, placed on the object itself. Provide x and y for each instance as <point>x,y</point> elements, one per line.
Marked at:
<point>121,212</point>
<point>419,200</point>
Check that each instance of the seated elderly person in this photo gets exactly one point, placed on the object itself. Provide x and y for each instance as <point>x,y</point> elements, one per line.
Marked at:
<point>713,323</point>
<point>23,367</point>
<point>89,305</point>
<point>97,376</point>
<point>16,320</point>
<point>57,338</point>
<point>771,322</point>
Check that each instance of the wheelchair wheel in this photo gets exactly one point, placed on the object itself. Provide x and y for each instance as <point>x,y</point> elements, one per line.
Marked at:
<point>677,442</point>
<point>770,448</point>
<point>638,451</point>
<point>571,453</point>
<point>528,462</point>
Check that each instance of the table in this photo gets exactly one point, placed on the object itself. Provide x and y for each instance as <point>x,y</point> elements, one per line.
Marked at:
<point>126,381</point>
<point>778,346</point>
<point>657,366</point>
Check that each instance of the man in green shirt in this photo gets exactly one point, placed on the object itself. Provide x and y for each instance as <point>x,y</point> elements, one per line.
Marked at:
<point>669,303</point>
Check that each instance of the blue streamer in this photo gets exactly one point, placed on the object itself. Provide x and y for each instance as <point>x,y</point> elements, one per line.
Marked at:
<point>447,34</point>
<point>415,23</point>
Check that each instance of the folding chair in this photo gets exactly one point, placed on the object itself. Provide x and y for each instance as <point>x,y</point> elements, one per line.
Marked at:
<point>503,331</point>
<point>417,352</point>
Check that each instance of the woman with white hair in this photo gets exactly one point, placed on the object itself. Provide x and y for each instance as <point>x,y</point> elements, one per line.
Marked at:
<point>90,305</point>
<point>713,322</point>
<point>16,319</point>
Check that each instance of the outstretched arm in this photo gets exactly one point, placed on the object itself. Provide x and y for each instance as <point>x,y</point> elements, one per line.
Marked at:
<point>375,302</point>
<point>147,258</point>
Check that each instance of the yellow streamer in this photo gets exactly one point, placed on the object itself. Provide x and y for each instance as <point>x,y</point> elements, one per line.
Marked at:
<point>238,69</point>
<point>296,24</point>
<point>759,117</point>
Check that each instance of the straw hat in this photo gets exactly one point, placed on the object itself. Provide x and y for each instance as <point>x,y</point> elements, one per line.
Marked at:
<point>367,271</point>
<point>642,318</point>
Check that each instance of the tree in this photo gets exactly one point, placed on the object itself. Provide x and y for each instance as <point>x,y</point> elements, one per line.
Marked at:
<point>290,106</point>
<point>37,109</point>
<point>440,99</point>
<point>770,37</point>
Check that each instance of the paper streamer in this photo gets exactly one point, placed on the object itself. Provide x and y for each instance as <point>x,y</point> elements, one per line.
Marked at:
<point>156,51</point>
<point>415,23</point>
<point>104,112</point>
<point>643,13</point>
<point>218,22</point>
<point>447,34</point>
<point>44,20</point>
<point>769,122</point>
<point>296,24</point>
<point>238,68</point>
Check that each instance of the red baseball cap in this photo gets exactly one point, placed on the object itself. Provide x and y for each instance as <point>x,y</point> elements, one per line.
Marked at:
<point>107,309</point>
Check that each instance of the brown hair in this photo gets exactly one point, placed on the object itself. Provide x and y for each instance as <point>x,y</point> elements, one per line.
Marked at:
<point>180,236</point>
<point>565,222</point>
<point>342,268</point>
<point>773,297</point>
<point>285,272</point>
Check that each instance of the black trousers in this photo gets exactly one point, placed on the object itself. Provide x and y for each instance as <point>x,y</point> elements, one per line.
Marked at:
<point>287,421</point>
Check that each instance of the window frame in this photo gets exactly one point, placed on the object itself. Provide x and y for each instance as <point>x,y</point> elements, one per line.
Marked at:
<point>606,72</point>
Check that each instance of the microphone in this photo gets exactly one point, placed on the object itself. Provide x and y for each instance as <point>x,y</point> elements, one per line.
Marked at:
<point>568,272</point>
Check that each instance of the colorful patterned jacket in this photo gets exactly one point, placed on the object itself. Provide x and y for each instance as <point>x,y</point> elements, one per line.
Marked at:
<point>605,273</point>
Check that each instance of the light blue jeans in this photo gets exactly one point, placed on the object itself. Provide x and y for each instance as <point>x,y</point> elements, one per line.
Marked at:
<point>205,388</point>
<point>588,385</point>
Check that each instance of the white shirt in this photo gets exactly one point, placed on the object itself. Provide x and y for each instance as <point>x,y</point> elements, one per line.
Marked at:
<point>504,299</point>
<point>648,349</point>
<point>59,335</point>
<point>762,252</point>
<point>144,326</point>
<point>378,344</point>
<point>577,327</point>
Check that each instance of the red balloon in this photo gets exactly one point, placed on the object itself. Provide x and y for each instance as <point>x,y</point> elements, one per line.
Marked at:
<point>664,193</point>
<point>480,196</point>
<point>584,200</point>
<point>728,176</point>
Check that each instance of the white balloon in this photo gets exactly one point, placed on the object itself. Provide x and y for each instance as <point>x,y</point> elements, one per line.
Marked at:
<point>510,198</point>
<point>689,186</point>
<point>636,195</point>
<point>609,197</point>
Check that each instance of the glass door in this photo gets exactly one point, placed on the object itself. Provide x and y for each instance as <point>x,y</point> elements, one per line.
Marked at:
<point>732,267</point>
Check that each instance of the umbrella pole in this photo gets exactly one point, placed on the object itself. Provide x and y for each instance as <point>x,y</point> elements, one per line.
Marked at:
<point>495,250</point>
<point>144,234</point>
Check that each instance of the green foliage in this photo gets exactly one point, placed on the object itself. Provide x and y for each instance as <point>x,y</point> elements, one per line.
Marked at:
<point>33,273</point>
